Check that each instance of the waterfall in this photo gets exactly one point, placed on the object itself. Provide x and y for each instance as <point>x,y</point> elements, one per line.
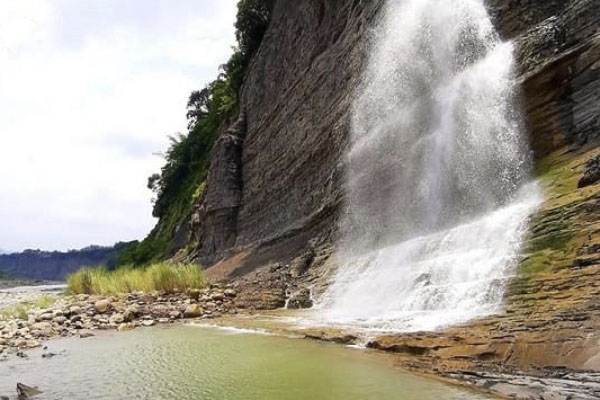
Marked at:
<point>437,192</point>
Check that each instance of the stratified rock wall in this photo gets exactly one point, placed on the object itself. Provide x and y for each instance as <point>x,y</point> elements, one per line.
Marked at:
<point>277,192</point>
<point>214,222</point>
<point>296,101</point>
<point>558,49</point>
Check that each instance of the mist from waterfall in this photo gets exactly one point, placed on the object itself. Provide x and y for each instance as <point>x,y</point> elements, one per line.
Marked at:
<point>437,199</point>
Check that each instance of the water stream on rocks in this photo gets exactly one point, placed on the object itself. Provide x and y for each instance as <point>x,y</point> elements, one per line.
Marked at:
<point>437,192</point>
<point>190,362</point>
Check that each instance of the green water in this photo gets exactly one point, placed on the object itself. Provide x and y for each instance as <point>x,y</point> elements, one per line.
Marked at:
<point>190,362</point>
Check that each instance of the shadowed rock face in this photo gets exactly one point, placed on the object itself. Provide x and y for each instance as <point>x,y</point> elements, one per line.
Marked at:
<point>281,186</point>
<point>275,180</point>
<point>559,53</point>
<point>214,222</point>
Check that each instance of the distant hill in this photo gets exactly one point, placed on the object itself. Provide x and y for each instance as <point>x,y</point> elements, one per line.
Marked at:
<point>55,265</point>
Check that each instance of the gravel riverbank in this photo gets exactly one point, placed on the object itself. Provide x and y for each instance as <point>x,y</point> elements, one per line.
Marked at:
<point>81,315</point>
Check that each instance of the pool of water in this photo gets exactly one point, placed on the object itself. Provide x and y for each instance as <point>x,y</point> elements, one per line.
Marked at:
<point>193,362</point>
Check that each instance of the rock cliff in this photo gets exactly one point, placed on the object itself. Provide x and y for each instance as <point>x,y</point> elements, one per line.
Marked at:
<point>274,188</point>
<point>274,184</point>
<point>268,216</point>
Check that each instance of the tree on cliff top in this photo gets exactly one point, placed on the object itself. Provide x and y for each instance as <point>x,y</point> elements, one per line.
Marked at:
<point>252,21</point>
<point>188,156</point>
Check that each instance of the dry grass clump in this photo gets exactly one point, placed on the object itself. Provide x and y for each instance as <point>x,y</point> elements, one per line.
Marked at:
<point>162,277</point>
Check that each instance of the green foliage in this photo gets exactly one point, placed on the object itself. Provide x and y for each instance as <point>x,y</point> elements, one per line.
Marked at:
<point>163,277</point>
<point>251,24</point>
<point>198,192</point>
<point>187,159</point>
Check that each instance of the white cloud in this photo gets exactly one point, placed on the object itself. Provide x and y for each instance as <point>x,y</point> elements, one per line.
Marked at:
<point>83,107</point>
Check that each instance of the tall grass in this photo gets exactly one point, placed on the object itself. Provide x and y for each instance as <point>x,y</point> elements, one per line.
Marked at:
<point>162,277</point>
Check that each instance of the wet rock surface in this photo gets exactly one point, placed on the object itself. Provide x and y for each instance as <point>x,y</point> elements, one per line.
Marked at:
<point>300,299</point>
<point>545,344</point>
<point>558,51</point>
<point>276,178</point>
<point>563,387</point>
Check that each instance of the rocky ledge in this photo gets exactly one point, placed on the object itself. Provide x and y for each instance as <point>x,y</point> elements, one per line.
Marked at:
<point>80,315</point>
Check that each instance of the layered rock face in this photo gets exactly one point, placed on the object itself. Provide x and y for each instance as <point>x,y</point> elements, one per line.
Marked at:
<point>280,188</point>
<point>269,214</point>
<point>558,50</point>
<point>274,190</point>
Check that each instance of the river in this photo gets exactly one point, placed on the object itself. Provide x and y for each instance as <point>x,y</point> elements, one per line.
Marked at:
<point>198,362</point>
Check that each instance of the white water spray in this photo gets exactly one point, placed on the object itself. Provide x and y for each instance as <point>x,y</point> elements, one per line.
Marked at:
<point>436,195</point>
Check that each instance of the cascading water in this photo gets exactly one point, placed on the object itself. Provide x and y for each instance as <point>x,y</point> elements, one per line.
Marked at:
<point>437,199</point>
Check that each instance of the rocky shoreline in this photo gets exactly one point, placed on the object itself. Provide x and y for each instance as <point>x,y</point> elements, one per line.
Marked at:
<point>84,315</point>
<point>81,315</point>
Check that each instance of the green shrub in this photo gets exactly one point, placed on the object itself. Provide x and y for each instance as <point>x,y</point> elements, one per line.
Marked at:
<point>187,159</point>
<point>162,277</point>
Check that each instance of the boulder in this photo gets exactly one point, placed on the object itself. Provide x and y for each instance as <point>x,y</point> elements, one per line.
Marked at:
<point>75,318</point>
<point>217,296</point>
<point>116,318</point>
<point>300,299</point>
<point>31,344</point>
<point>47,316</point>
<point>27,392</point>
<point>194,294</point>
<point>125,327</point>
<point>102,306</point>
<point>148,298</point>
<point>74,310</point>
<point>193,311</point>
<point>41,325</point>
<point>131,313</point>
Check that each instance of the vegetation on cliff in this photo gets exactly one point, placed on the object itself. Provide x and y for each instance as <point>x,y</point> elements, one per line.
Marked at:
<point>163,277</point>
<point>180,182</point>
<point>562,233</point>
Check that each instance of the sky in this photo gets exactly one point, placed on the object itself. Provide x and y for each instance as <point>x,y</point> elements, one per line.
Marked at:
<point>89,92</point>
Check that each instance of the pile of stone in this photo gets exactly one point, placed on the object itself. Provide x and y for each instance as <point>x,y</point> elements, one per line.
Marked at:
<point>82,314</point>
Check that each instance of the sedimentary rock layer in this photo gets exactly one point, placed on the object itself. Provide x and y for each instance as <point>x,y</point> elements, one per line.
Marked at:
<point>274,190</point>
